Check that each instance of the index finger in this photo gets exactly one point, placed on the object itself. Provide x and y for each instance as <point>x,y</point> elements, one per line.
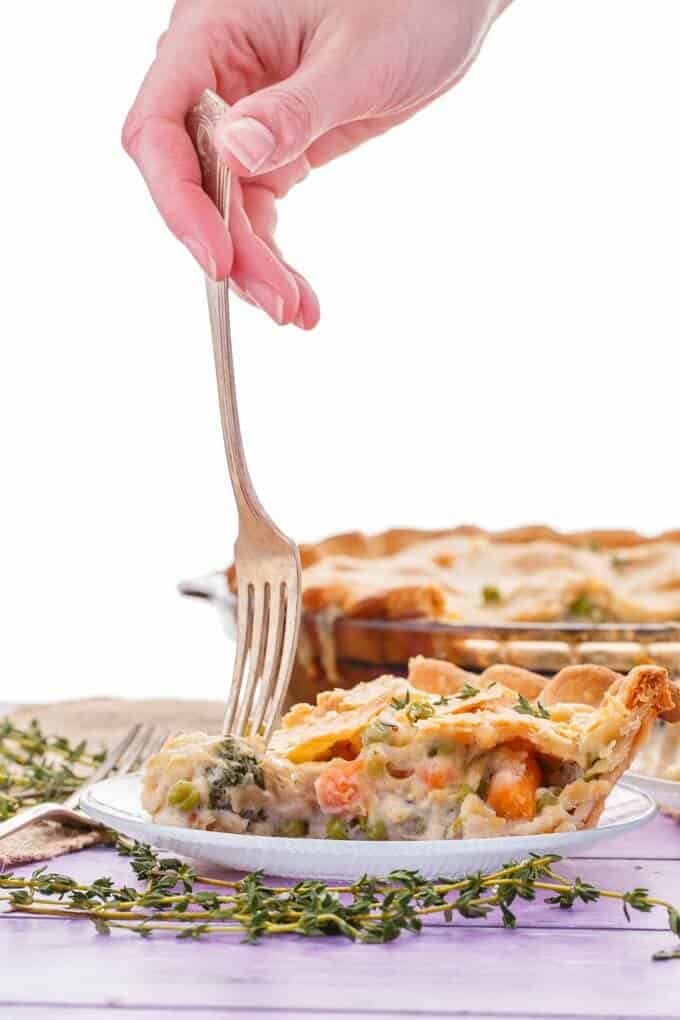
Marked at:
<point>155,137</point>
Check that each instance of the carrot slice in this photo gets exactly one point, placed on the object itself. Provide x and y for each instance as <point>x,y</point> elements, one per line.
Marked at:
<point>337,789</point>
<point>512,789</point>
<point>437,773</point>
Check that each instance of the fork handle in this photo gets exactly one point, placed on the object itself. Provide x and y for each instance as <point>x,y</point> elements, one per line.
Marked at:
<point>216,183</point>
<point>39,812</point>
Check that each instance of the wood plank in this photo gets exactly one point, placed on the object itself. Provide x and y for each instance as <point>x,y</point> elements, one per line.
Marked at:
<point>454,971</point>
<point>659,839</point>
<point>52,1012</point>
<point>57,1012</point>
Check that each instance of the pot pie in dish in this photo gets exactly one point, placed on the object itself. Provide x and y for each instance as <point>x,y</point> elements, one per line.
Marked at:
<point>532,597</point>
<point>443,754</point>
<point>529,575</point>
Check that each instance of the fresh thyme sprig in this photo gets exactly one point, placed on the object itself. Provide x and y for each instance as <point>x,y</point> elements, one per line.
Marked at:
<point>524,707</point>
<point>467,691</point>
<point>667,954</point>
<point>35,768</point>
<point>173,898</point>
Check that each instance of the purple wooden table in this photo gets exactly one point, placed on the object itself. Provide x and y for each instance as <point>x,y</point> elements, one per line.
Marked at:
<point>587,962</point>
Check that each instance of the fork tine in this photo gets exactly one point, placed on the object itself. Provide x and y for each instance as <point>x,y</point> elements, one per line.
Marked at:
<point>131,755</point>
<point>106,767</point>
<point>261,600</point>
<point>288,648</point>
<point>272,659</point>
<point>153,743</point>
<point>163,735</point>
<point>244,629</point>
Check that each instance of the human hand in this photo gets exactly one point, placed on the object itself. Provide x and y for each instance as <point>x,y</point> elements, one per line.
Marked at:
<point>306,80</point>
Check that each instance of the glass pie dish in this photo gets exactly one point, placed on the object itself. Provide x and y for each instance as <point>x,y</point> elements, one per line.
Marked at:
<point>340,651</point>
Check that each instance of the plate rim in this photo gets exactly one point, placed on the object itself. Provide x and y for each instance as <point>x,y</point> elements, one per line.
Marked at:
<point>663,791</point>
<point>633,777</point>
<point>461,847</point>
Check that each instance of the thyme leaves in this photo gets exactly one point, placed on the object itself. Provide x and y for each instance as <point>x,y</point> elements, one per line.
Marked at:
<point>35,768</point>
<point>524,707</point>
<point>174,899</point>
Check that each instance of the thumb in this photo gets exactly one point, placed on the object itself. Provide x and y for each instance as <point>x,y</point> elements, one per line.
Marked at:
<point>272,127</point>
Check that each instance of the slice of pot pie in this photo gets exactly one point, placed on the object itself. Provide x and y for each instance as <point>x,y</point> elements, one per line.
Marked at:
<point>434,756</point>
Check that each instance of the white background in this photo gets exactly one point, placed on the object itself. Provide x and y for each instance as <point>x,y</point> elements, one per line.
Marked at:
<point>499,341</point>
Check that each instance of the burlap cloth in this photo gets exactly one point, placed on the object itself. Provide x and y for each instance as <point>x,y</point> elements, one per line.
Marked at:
<point>100,721</point>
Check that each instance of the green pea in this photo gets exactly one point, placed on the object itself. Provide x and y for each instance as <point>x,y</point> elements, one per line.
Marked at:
<point>377,831</point>
<point>335,829</point>
<point>443,747</point>
<point>462,792</point>
<point>375,766</point>
<point>546,799</point>
<point>293,828</point>
<point>183,795</point>
<point>179,791</point>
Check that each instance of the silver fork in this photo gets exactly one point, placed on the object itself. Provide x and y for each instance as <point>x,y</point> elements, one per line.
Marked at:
<point>267,563</point>
<point>137,744</point>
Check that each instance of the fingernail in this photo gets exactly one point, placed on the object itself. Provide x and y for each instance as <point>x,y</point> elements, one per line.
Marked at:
<point>251,142</point>
<point>299,321</point>
<point>202,256</point>
<point>265,298</point>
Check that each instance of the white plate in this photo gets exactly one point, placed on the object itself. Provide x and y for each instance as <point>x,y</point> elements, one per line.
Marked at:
<point>666,792</point>
<point>115,802</point>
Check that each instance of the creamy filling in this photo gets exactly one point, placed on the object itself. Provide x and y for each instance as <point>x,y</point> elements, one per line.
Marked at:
<point>397,783</point>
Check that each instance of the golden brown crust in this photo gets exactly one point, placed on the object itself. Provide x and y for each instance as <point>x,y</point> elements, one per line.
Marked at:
<point>672,714</point>
<point>587,684</point>
<point>582,685</point>
<point>647,687</point>
<point>647,692</point>
<point>387,543</point>
<point>437,677</point>
<point>529,685</point>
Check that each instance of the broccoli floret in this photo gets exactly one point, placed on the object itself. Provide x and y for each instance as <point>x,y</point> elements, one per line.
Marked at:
<point>237,766</point>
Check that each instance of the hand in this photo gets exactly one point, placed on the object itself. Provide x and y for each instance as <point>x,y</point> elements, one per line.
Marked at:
<point>307,80</point>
